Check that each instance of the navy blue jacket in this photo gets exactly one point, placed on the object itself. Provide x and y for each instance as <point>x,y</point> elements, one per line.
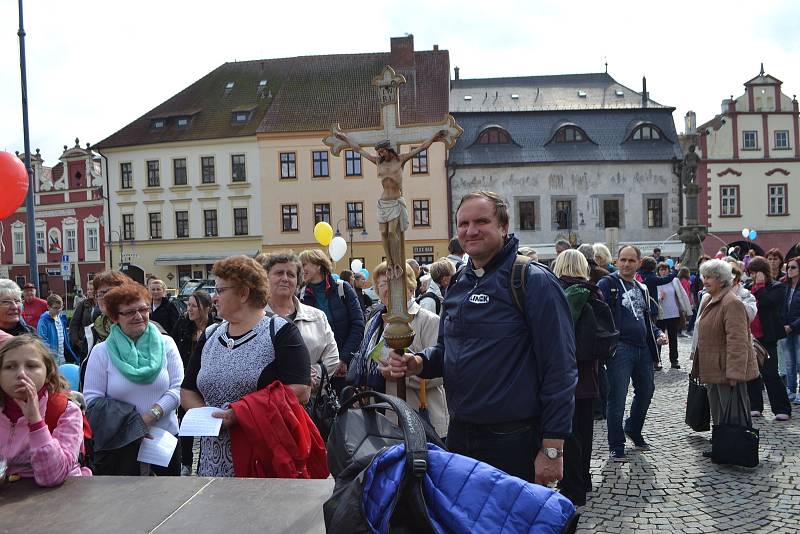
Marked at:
<point>498,364</point>
<point>792,311</point>
<point>608,285</point>
<point>348,318</point>
<point>652,281</point>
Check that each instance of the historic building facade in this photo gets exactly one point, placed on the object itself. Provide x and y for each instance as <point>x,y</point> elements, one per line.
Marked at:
<point>304,183</point>
<point>750,169</point>
<point>579,157</point>
<point>183,179</point>
<point>69,222</point>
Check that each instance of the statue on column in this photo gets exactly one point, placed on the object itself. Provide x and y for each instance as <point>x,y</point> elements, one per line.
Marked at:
<point>688,168</point>
<point>392,209</point>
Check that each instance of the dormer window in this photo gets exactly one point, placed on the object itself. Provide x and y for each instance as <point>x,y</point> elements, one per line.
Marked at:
<point>570,134</point>
<point>494,135</point>
<point>158,124</point>
<point>241,117</point>
<point>646,132</point>
<point>182,122</point>
<point>229,87</point>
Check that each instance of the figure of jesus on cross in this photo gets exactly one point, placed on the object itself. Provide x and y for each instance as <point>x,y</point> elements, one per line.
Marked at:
<point>392,209</point>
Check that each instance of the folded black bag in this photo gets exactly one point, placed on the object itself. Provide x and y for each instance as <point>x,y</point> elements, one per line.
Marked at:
<point>734,444</point>
<point>357,436</point>
<point>698,411</point>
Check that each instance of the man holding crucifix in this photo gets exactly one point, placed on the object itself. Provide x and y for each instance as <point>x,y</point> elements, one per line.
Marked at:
<point>392,210</point>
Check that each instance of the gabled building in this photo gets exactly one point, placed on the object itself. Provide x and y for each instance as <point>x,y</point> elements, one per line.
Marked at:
<point>69,222</point>
<point>750,169</point>
<point>578,156</point>
<point>183,179</point>
<point>304,183</point>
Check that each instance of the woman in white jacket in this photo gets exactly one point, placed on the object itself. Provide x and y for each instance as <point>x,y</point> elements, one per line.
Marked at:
<point>674,304</point>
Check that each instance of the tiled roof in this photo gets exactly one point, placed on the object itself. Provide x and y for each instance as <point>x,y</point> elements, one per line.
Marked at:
<point>532,131</point>
<point>541,93</point>
<point>307,93</point>
<point>322,90</point>
<point>209,106</point>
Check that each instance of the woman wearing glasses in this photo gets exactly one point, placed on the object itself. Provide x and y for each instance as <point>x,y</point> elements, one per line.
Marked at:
<point>139,366</point>
<point>11,309</point>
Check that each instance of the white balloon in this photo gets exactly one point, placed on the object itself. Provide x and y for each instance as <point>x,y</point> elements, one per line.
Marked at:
<point>356,266</point>
<point>745,232</point>
<point>338,248</point>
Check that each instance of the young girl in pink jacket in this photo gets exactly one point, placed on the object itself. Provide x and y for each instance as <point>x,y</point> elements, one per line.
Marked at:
<point>28,376</point>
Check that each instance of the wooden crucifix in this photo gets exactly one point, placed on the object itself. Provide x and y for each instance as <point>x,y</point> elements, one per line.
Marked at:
<point>392,210</point>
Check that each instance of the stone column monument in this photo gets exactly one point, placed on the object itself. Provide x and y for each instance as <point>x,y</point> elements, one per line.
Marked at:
<point>392,210</point>
<point>692,233</point>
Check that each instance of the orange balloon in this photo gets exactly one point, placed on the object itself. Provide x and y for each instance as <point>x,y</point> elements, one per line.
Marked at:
<point>13,183</point>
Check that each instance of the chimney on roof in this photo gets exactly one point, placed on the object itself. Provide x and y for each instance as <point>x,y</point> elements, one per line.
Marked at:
<point>645,96</point>
<point>402,53</point>
<point>690,123</point>
<point>435,47</point>
<point>457,70</point>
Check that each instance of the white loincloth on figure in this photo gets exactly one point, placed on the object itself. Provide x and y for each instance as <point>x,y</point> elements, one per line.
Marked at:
<point>393,209</point>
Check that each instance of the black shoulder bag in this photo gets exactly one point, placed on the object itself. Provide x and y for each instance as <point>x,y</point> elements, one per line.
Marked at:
<point>324,406</point>
<point>732,443</point>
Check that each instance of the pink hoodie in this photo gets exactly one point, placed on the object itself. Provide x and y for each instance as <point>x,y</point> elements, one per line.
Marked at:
<point>49,459</point>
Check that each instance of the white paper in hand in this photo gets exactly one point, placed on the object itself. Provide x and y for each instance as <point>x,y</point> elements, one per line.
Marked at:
<point>157,450</point>
<point>198,422</point>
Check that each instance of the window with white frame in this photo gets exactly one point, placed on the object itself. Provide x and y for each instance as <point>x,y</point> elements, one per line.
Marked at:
<point>40,242</point>
<point>92,240</point>
<point>781,139</point>
<point>18,238</point>
<point>777,199</point>
<point>70,239</point>
<point>729,200</point>
<point>749,140</point>
<point>19,243</point>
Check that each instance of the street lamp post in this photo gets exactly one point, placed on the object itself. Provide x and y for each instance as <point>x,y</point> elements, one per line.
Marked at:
<point>110,245</point>
<point>350,232</point>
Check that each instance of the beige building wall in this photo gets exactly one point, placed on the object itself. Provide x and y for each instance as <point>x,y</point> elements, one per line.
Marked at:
<point>223,195</point>
<point>336,189</point>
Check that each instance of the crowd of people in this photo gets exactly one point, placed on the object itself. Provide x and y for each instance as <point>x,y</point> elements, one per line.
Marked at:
<point>277,327</point>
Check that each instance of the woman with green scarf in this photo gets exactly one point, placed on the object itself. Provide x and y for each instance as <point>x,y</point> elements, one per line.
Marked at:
<point>139,366</point>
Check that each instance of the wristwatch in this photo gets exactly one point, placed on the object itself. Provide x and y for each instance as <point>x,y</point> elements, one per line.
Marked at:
<point>552,452</point>
<point>157,413</point>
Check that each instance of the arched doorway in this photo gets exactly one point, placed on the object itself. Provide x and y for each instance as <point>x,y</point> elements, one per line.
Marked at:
<point>744,246</point>
<point>793,252</point>
<point>133,271</point>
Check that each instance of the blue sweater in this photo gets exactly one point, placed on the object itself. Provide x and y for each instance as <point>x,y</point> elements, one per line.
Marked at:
<point>501,365</point>
<point>46,328</point>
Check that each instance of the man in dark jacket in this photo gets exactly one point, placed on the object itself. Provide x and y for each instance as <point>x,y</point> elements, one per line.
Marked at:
<point>84,315</point>
<point>637,350</point>
<point>523,408</point>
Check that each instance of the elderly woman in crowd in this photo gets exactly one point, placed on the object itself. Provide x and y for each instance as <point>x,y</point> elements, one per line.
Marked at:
<point>442,272</point>
<point>374,353</point>
<point>572,269</point>
<point>602,257</point>
<point>241,355</point>
<point>11,321</point>
<point>54,330</point>
<point>283,272</point>
<point>768,328</point>
<point>338,301</point>
<point>186,333</point>
<point>139,366</point>
<point>724,359</point>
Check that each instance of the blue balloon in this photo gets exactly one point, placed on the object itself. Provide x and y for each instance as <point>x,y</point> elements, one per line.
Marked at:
<point>752,235</point>
<point>670,262</point>
<point>365,272</point>
<point>335,276</point>
<point>72,373</point>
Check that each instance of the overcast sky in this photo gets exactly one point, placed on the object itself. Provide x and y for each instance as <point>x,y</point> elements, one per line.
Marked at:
<point>96,65</point>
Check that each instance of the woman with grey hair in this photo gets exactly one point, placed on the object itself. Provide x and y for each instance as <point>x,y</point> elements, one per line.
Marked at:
<point>11,321</point>
<point>724,359</point>
<point>602,256</point>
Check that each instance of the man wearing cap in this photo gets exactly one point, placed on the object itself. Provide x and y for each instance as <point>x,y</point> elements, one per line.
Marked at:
<point>392,210</point>
<point>32,306</point>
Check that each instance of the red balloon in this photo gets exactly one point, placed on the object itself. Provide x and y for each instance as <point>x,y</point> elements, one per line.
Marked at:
<point>13,183</point>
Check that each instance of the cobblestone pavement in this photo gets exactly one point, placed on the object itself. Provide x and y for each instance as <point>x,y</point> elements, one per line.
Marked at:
<point>674,489</point>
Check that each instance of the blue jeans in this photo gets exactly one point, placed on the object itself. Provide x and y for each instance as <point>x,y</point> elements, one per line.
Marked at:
<point>792,347</point>
<point>629,363</point>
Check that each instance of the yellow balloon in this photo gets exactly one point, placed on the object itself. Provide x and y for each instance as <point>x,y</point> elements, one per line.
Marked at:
<point>323,233</point>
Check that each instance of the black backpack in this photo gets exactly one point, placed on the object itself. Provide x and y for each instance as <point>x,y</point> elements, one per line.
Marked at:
<point>596,335</point>
<point>357,436</point>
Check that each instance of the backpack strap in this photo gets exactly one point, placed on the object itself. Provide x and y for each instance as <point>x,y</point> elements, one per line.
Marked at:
<point>340,291</point>
<point>518,281</point>
<point>431,295</point>
<point>56,405</point>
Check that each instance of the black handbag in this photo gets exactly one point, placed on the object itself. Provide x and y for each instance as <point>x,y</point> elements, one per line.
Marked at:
<point>698,410</point>
<point>357,436</point>
<point>732,443</point>
<point>324,406</point>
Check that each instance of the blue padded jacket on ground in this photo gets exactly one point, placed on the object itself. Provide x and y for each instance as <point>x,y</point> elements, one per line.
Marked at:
<point>464,495</point>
